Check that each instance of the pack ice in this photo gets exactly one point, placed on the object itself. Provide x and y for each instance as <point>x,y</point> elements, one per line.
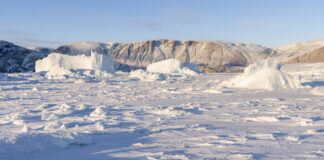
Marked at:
<point>264,75</point>
<point>57,64</point>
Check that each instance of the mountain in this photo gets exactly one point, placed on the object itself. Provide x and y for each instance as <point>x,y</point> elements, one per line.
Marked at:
<point>14,58</point>
<point>209,55</point>
<point>312,57</point>
<point>77,48</point>
<point>291,51</point>
<point>41,49</point>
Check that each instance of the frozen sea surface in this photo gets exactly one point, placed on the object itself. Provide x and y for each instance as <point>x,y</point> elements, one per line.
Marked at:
<point>184,117</point>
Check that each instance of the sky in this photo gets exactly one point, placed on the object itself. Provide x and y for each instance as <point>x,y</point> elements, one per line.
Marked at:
<point>50,23</point>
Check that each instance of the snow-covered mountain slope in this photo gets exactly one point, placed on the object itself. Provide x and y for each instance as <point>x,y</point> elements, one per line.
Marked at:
<point>312,57</point>
<point>285,53</point>
<point>211,54</point>
<point>17,59</point>
<point>77,48</point>
<point>41,49</point>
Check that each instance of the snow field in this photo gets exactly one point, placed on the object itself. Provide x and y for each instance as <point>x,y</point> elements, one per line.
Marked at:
<point>189,118</point>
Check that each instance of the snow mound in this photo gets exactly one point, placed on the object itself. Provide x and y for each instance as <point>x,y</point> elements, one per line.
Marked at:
<point>147,76</point>
<point>32,142</point>
<point>102,62</point>
<point>264,75</point>
<point>319,90</point>
<point>173,66</point>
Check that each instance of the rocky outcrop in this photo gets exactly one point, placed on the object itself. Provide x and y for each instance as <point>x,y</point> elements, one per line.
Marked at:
<point>15,59</point>
<point>216,56</point>
<point>312,57</point>
<point>77,48</point>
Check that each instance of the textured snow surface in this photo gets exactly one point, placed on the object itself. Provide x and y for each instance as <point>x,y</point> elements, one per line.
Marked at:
<point>172,66</point>
<point>264,75</point>
<point>147,76</point>
<point>188,118</point>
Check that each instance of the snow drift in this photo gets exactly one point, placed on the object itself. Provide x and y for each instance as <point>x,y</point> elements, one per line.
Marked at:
<point>264,75</point>
<point>172,66</point>
<point>147,76</point>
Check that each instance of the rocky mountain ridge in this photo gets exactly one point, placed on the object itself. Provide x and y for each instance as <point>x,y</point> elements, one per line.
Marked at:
<point>312,57</point>
<point>210,56</point>
<point>14,58</point>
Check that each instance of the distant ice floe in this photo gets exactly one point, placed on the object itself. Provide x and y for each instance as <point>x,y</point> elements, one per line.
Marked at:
<point>164,70</point>
<point>264,75</point>
<point>60,66</point>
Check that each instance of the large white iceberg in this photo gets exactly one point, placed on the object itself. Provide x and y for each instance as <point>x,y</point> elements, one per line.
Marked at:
<point>264,75</point>
<point>169,70</point>
<point>101,62</point>
<point>172,66</point>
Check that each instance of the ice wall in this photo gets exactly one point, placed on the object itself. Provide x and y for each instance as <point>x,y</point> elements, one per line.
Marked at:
<point>101,62</point>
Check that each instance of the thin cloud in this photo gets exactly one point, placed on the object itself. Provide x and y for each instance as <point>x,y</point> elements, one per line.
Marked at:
<point>26,38</point>
<point>253,24</point>
<point>147,25</point>
<point>183,16</point>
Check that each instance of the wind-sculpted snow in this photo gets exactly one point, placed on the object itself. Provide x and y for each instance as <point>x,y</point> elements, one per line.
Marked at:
<point>190,117</point>
<point>264,75</point>
<point>148,76</point>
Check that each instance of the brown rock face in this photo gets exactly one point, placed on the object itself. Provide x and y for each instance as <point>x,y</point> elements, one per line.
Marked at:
<point>312,57</point>
<point>214,55</point>
<point>205,53</point>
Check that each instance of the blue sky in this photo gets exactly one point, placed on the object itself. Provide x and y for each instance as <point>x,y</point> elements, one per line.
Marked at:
<point>264,22</point>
